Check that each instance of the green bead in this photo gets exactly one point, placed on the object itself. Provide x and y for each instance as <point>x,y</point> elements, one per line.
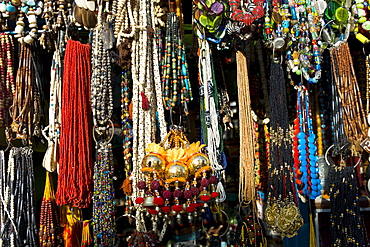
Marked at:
<point>298,72</point>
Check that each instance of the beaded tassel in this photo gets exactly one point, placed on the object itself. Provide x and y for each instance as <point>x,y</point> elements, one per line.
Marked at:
<point>49,233</point>
<point>103,199</point>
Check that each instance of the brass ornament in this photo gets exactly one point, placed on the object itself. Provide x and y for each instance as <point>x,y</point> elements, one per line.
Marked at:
<point>196,162</point>
<point>153,161</point>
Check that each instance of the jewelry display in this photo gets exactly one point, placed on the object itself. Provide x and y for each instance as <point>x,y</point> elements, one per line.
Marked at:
<point>271,106</point>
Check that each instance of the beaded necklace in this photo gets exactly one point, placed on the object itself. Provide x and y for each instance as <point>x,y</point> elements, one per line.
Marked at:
<point>281,213</point>
<point>147,95</point>
<point>26,108</point>
<point>305,157</point>
<point>125,120</point>
<point>7,86</point>
<point>211,134</point>
<point>346,224</point>
<point>345,79</point>
<point>75,152</point>
<point>246,163</point>
<point>102,108</point>
<point>18,225</point>
<point>50,161</point>
<point>175,78</point>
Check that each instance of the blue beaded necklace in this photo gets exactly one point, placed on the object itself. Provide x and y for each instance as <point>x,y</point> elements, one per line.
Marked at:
<point>307,147</point>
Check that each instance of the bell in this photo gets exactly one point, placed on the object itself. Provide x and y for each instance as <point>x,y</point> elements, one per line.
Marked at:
<point>149,201</point>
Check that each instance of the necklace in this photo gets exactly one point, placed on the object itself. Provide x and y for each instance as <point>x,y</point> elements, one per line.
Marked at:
<point>246,163</point>
<point>305,149</point>
<point>211,132</point>
<point>281,214</point>
<point>75,165</point>
<point>7,79</point>
<point>18,225</point>
<point>146,95</point>
<point>345,80</point>
<point>175,78</point>
<point>346,224</point>
<point>102,109</point>
<point>50,162</point>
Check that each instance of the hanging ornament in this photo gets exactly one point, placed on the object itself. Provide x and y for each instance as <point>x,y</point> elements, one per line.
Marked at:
<point>49,231</point>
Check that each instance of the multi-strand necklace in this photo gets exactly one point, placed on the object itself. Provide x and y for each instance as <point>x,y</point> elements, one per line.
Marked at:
<point>147,106</point>
<point>102,106</point>
<point>346,223</point>
<point>175,78</point>
<point>26,108</point>
<point>18,223</point>
<point>75,185</point>
<point>281,214</point>
<point>211,132</point>
<point>348,91</point>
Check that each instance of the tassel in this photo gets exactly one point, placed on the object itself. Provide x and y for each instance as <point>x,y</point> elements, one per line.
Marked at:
<point>312,233</point>
<point>127,187</point>
<point>145,102</point>
<point>86,235</point>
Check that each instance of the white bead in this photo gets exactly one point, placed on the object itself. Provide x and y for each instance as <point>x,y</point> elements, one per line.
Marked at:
<point>19,29</point>
<point>28,39</point>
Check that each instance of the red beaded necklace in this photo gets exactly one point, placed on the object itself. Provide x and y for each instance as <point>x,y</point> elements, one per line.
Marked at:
<point>75,165</point>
